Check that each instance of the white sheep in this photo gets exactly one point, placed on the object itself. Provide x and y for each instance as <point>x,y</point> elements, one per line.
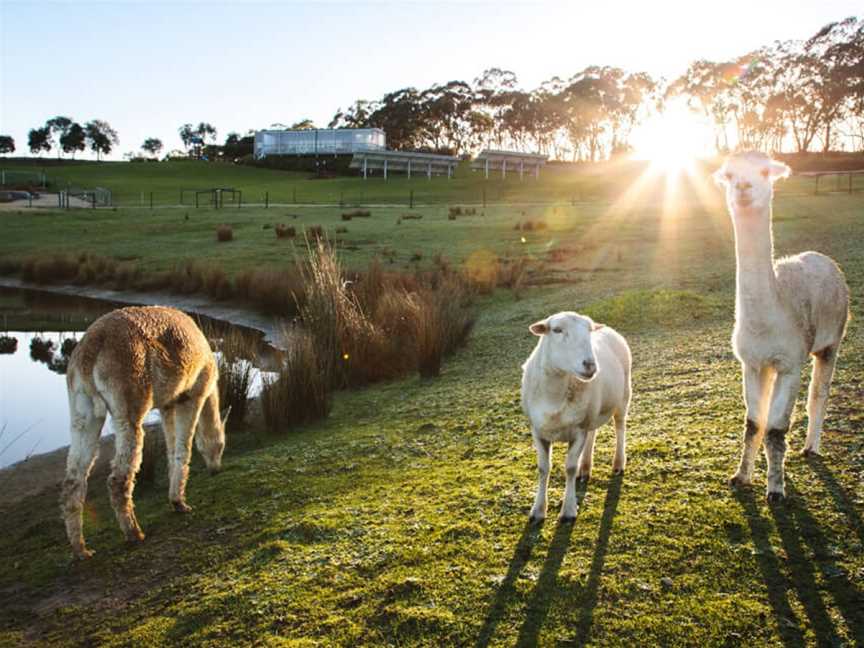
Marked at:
<point>575,380</point>
<point>783,313</point>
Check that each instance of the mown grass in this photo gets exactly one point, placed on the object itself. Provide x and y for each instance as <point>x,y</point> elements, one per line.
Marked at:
<point>401,519</point>
<point>132,184</point>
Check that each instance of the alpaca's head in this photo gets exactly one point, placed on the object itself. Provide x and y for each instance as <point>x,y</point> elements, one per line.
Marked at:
<point>749,179</point>
<point>567,345</point>
<point>210,435</point>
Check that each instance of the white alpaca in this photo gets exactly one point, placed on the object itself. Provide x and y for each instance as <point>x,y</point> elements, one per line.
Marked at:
<point>783,313</point>
<point>128,362</point>
<point>575,380</point>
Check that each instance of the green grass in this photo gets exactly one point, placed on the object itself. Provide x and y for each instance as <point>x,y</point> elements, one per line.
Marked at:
<point>132,183</point>
<point>401,519</point>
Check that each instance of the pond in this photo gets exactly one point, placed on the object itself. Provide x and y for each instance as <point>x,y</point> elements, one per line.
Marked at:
<point>34,412</point>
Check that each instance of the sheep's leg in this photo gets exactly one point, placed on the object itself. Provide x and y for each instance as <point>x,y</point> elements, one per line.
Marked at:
<point>544,464</point>
<point>619,462</point>
<point>586,459</point>
<point>186,417</point>
<point>129,440</point>
<point>86,422</point>
<point>779,418</point>
<point>571,503</point>
<point>757,397</point>
<point>817,397</point>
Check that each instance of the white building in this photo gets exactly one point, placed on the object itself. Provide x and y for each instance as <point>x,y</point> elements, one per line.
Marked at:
<point>318,141</point>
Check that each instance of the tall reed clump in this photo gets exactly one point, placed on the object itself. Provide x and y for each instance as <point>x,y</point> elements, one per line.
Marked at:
<point>301,391</point>
<point>236,372</point>
<point>442,323</point>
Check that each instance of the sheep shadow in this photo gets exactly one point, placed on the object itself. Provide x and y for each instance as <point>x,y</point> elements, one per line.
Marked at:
<point>806,549</point>
<point>545,590</point>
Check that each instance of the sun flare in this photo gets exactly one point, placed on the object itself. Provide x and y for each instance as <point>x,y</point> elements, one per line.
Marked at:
<point>672,140</point>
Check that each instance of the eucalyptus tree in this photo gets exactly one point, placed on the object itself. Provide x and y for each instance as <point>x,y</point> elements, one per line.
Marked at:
<point>101,137</point>
<point>73,139</point>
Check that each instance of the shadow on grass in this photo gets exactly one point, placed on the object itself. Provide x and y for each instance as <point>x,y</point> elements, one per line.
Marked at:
<point>546,588</point>
<point>841,497</point>
<point>592,587</point>
<point>507,590</point>
<point>796,525</point>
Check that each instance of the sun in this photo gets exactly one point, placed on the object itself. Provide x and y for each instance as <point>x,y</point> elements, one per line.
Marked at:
<point>673,140</point>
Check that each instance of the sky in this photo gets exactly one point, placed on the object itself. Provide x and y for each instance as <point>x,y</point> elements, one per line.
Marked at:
<point>149,67</point>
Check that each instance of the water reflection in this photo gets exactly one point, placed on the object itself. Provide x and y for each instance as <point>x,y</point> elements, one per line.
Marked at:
<point>34,412</point>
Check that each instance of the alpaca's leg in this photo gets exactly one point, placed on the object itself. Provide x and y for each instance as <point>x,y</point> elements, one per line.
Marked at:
<point>186,417</point>
<point>168,431</point>
<point>757,386</point>
<point>817,398</point>
<point>571,503</point>
<point>619,462</point>
<point>129,440</point>
<point>586,459</point>
<point>779,418</point>
<point>544,464</point>
<point>86,419</point>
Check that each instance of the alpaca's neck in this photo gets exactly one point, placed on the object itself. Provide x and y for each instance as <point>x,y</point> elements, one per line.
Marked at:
<point>756,283</point>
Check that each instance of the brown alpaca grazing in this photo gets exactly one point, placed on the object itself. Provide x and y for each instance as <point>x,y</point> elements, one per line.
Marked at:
<point>130,361</point>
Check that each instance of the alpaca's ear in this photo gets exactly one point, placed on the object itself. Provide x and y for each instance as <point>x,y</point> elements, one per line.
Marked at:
<point>596,327</point>
<point>720,178</point>
<point>778,170</point>
<point>539,328</point>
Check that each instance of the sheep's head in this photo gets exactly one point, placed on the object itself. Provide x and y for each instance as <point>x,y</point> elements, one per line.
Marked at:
<point>210,435</point>
<point>567,343</point>
<point>749,180</point>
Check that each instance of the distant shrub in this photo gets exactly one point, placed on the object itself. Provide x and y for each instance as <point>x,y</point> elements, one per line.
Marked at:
<point>224,233</point>
<point>357,213</point>
<point>341,230</point>
<point>284,231</point>
<point>453,212</point>
<point>8,344</point>
<point>451,217</point>
<point>411,216</point>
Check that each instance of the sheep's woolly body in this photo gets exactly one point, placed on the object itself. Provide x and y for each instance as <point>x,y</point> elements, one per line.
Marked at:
<point>128,362</point>
<point>562,407</point>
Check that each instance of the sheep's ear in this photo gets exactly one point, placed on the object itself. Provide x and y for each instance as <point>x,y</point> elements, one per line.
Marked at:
<point>778,170</point>
<point>720,178</point>
<point>596,327</point>
<point>539,328</point>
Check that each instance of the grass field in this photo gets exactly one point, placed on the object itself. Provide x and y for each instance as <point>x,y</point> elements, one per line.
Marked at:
<point>402,519</point>
<point>132,184</point>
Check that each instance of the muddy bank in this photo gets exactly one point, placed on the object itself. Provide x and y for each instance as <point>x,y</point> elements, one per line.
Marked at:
<point>202,305</point>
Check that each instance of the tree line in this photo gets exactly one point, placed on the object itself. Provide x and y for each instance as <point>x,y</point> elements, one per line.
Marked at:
<point>793,94</point>
<point>796,93</point>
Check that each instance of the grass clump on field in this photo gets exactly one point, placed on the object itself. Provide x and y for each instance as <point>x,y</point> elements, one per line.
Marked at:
<point>285,232</point>
<point>224,233</point>
<point>357,213</point>
<point>300,391</point>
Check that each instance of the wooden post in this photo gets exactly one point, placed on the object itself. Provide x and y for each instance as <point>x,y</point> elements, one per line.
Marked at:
<point>266,200</point>
<point>239,198</point>
<point>521,167</point>
<point>504,169</point>
<point>409,169</point>
<point>364,167</point>
<point>429,171</point>
<point>487,168</point>
<point>411,199</point>
<point>850,182</point>
<point>816,191</point>
<point>385,169</point>
<point>151,200</point>
<point>196,200</point>
<point>484,197</point>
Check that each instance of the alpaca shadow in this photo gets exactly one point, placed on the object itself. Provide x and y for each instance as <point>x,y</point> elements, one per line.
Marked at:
<point>839,494</point>
<point>795,524</point>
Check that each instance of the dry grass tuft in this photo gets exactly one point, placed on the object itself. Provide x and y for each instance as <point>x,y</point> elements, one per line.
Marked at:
<point>224,233</point>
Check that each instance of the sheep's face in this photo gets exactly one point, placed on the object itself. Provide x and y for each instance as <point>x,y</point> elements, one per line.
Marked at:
<point>748,179</point>
<point>567,344</point>
<point>210,438</point>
